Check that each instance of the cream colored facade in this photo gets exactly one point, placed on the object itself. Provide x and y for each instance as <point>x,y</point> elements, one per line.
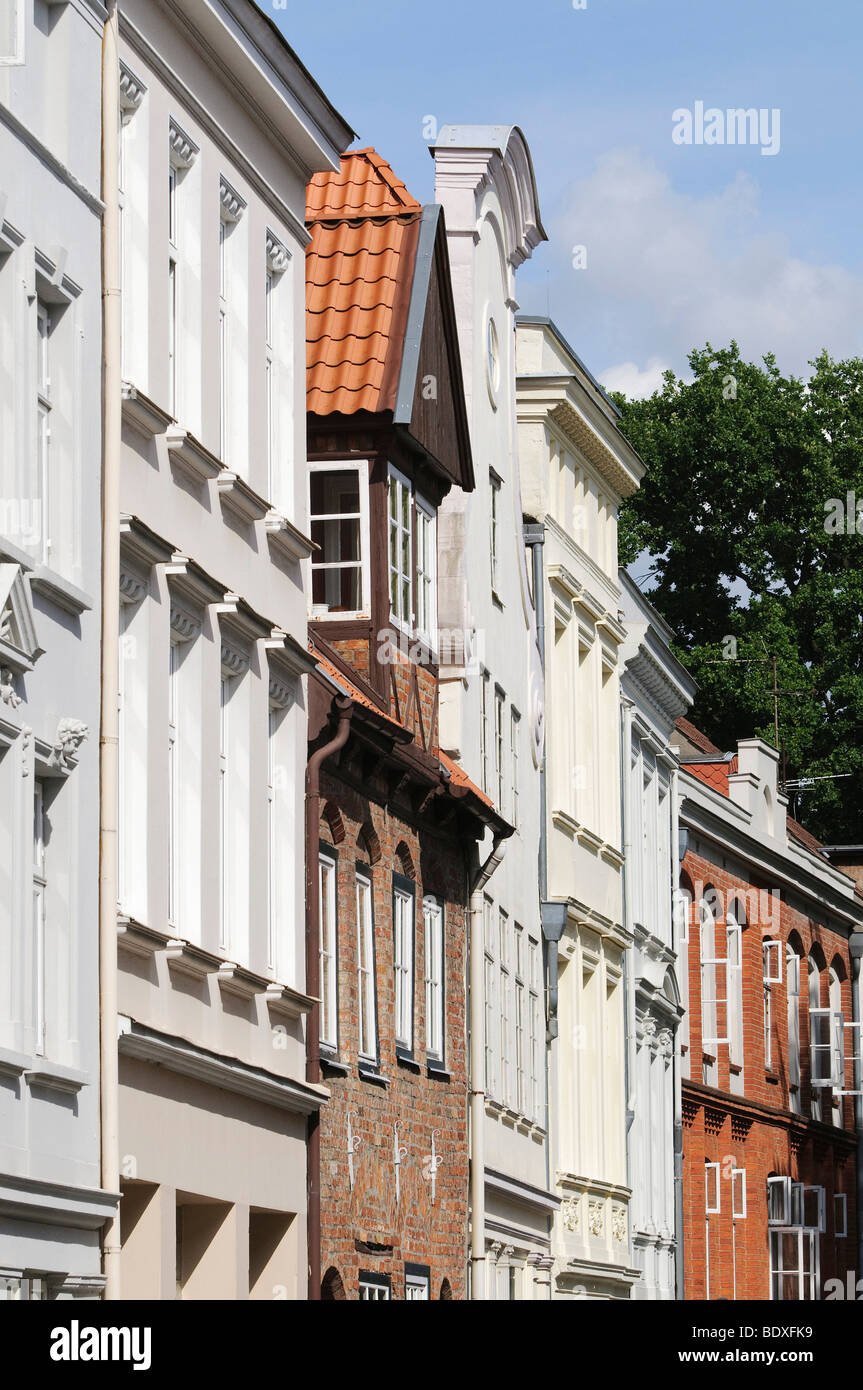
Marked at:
<point>221,129</point>
<point>576,468</point>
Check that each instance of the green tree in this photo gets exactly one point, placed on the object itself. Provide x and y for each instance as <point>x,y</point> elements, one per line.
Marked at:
<point>739,533</point>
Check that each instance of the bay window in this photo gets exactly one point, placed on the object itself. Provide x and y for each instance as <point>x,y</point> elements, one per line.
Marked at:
<point>426,618</point>
<point>339,515</point>
<point>400,550</point>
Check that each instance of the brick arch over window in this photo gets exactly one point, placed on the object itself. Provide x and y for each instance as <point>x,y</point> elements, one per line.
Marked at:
<point>333,818</point>
<point>368,843</point>
<point>405,858</point>
<point>332,1288</point>
<point>837,965</point>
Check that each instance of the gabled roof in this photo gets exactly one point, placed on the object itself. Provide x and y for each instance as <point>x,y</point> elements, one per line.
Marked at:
<point>379,307</point>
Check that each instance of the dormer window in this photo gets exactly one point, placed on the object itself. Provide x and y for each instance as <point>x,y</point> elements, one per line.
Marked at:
<point>339,513</point>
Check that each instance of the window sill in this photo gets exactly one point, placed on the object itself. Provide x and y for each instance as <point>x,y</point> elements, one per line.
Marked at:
<point>60,591</point>
<point>332,1065</point>
<point>407,1060</point>
<point>437,1071</point>
<point>52,1077</point>
<point>372,1075</point>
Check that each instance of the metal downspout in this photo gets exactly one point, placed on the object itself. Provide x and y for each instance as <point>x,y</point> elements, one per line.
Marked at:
<point>109,717</point>
<point>855,948</point>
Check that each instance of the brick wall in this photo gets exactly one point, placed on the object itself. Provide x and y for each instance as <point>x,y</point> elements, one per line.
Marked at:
<point>757,1130</point>
<point>367,1228</point>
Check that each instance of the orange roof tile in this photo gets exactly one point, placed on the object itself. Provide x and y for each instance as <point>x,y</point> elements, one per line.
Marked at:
<point>459,778</point>
<point>714,774</point>
<point>359,269</point>
<point>365,186</point>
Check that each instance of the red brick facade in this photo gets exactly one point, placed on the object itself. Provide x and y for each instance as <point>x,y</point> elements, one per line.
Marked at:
<point>367,1226</point>
<point>757,1130</point>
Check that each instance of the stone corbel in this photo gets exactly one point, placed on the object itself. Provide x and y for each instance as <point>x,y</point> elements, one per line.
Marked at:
<point>70,735</point>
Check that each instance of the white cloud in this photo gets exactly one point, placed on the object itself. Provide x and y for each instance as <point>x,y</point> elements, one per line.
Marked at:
<point>631,380</point>
<point>667,271</point>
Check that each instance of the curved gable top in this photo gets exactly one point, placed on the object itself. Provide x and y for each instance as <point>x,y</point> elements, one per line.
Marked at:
<point>496,154</point>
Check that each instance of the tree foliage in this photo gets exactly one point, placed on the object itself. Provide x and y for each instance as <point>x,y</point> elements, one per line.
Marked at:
<point>745,527</point>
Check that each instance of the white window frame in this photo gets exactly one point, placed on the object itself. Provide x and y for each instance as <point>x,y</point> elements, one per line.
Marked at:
<point>328,1027</point>
<point>711,1178</point>
<point>404,904</point>
<point>433,929</point>
<point>520,1088</point>
<point>273,718</point>
<point>534,952</point>
<point>820,1193</point>
<point>771,950</point>
<point>224,332</point>
<point>174,848</point>
<point>44,407</point>
<point>485,682</point>
<point>499,703</point>
<point>367,1026</point>
<point>173,284</point>
<point>40,893</point>
<point>506,1028</point>
<point>817,1047</point>
<point>269,375</point>
<point>361,468</point>
<point>18,27</point>
<point>779,1185</point>
<point>417,1287</point>
<point>426,572</point>
<point>373,1288</point>
<point>738,1194</point>
<point>719,965</point>
<point>514,740</point>
<point>840,1207</point>
<point>399,487</point>
<point>856,1058</point>
<point>804,1236</point>
<point>494,528</point>
<point>492,1019</point>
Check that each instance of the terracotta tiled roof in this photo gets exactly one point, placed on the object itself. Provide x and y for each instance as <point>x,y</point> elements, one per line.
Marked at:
<point>714,774</point>
<point>697,738</point>
<point>459,778</point>
<point>359,270</point>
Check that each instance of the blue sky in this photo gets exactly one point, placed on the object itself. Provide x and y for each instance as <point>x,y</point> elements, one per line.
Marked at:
<point>684,243</point>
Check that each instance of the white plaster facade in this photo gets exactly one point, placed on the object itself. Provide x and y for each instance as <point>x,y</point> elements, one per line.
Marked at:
<point>656,690</point>
<point>491,701</point>
<point>221,130</point>
<point>51,1205</point>
<point>576,468</point>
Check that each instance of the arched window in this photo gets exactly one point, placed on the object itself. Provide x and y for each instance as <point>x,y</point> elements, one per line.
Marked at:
<point>446,1291</point>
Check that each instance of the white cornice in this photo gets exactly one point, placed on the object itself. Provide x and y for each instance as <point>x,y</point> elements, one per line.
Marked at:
<point>224,1073</point>
<point>567,403</point>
